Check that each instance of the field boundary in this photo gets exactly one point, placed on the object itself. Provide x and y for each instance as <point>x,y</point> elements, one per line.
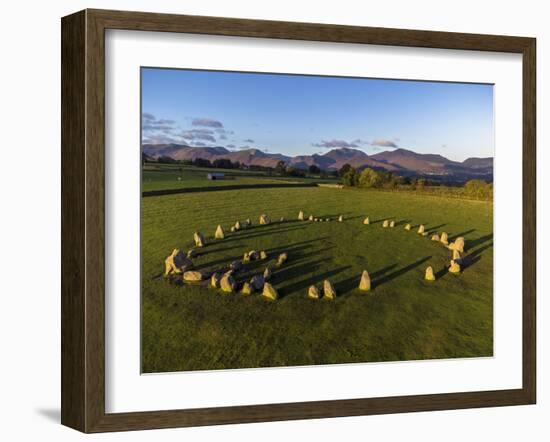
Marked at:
<point>163,192</point>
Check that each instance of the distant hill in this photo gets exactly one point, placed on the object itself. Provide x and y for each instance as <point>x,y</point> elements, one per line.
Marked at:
<point>399,161</point>
<point>478,163</point>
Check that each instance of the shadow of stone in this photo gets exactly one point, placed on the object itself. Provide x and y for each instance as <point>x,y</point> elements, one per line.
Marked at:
<point>376,221</point>
<point>382,271</point>
<point>441,273</point>
<point>265,230</point>
<point>391,276</point>
<point>470,244</point>
<point>469,261</point>
<point>456,235</point>
<point>402,222</point>
<point>313,280</point>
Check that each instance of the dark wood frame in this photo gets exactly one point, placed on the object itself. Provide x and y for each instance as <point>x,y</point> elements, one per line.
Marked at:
<point>83,216</point>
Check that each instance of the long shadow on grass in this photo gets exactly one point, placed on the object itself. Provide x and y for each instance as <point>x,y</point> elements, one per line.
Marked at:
<point>434,228</point>
<point>391,276</point>
<point>470,244</point>
<point>266,230</point>
<point>456,235</point>
<point>313,280</point>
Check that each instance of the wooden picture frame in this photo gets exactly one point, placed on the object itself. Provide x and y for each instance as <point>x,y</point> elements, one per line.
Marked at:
<point>83,220</point>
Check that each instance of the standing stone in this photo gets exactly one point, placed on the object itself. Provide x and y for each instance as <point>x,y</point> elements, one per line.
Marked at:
<point>199,239</point>
<point>366,220</point>
<point>282,259</point>
<point>169,263</point>
<point>313,292</point>
<point>444,238</point>
<point>228,284</point>
<point>365,284</point>
<point>267,274</point>
<point>257,282</point>
<point>454,267</point>
<point>282,219</point>
<point>407,227</point>
<point>421,229</point>
<point>429,274</point>
<point>392,223</point>
<point>247,289</point>
<point>310,217</point>
<point>238,225</point>
<point>269,292</point>
<point>215,280</point>
<point>247,222</point>
<point>246,257</point>
<point>191,253</point>
<point>193,276</point>
<point>232,228</point>
<point>219,233</point>
<point>458,244</point>
<point>264,219</point>
<point>435,237</point>
<point>328,289</point>
<point>456,255</point>
<point>341,218</point>
<point>386,223</point>
<point>327,219</point>
<point>254,255</point>
<point>263,255</point>
<point>301,216</point>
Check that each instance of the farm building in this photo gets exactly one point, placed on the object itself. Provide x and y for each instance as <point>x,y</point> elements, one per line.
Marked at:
<point>215,176</point>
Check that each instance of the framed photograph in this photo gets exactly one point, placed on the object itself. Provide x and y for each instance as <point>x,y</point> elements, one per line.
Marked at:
<point>269,220</point>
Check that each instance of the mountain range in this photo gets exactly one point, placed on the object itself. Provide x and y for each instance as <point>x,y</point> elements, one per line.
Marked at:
<point>400,161</point>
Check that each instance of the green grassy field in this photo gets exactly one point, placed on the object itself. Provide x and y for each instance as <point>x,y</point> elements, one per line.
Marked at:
<point>404,317</point>
<point>176,176</point>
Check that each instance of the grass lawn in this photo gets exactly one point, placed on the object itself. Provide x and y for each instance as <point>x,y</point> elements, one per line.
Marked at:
<point>188,327</point>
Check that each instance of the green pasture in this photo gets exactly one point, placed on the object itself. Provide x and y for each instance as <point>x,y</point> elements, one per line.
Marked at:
<point>175,176</point>
<point>404,317</point>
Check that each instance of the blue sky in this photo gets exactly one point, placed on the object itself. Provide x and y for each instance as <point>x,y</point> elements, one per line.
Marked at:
<point>302,115</point>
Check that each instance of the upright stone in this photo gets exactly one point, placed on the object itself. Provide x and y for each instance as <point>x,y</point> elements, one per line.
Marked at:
<point>429,274</point>
<point>282,259</point>
<point>238,225</point>
<point>458,244</point>
<point>193,276</point>
<point>407,227</point>
<point>392,223</point>
<point>227,283</point>
<point>313,292</point>
<point>301,216</point>
<point>247,289</point>
<point>215,280</point>
<point>435,237</point>
<point>366,220</point>
<point>220,234</point>
<point>199,239</point>
<point>454,267</point>
<point>328,290</point>
<point>456,255</point>
<point>386,223</point>
<point>444,238</point>
<point>267,274</point>
<point>310,218</point>
<point>341,218</point>
<point>421,229</point>
<point>269,292</point>
<point>247,222</point>
<point>263,255</point>
<point>264,219</point>
<point>365,283</point>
